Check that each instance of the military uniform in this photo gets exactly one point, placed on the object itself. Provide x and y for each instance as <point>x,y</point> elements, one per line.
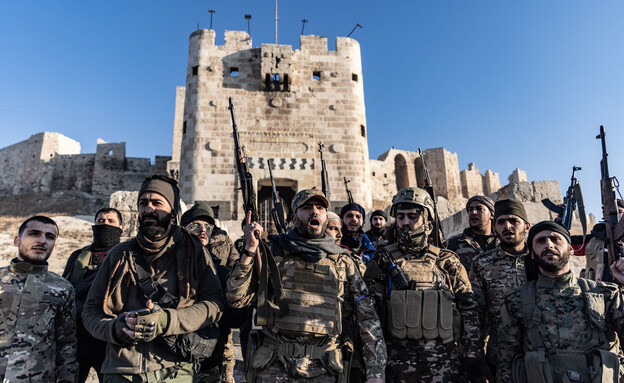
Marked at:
<point>468,245</point>
<point>493,275</point>
<point>37,325</point>
<point>222,249</point>
<point>424,298</point>
<point>552,324</point>
<point>434,274</point>
<point>304,345</point>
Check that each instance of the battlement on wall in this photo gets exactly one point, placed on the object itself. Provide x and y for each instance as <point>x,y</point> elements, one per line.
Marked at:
<point>239,40</point>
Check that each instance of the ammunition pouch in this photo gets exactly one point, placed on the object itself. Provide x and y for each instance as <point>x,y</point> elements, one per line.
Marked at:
<point>421,315</point>
<point>597,366</point>
<point>193,346</point>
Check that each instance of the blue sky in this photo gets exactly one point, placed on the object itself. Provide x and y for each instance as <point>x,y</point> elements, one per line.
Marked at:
<point>504,84</point>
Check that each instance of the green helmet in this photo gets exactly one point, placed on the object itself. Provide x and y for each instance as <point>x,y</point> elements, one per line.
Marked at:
<point>414,196</point>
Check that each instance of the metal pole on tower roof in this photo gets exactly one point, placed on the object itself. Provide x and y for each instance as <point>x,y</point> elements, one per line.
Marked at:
<point>275,21</point>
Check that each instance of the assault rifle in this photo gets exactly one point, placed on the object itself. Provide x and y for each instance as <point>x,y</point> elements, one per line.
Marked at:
<point>384,263</point>
<point>614,226</point>
<point>277,212</point>
<point>266,267</point>
<point>438,236</point>
<point>349,195</point>
<point>572,198</point>
<point>324,175</point>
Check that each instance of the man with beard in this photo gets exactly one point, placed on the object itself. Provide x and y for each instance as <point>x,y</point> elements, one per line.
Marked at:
<point>497,272</point>
<point>152,293</point>
<point>37,311</point>
<point>80,270</point>
<point>315,277</point>
<point>199,221</point>
<point>378,221</point>
<point>421,291</point>
<point>478,237</point>
<point>559,328</point>
<point>353,236</point>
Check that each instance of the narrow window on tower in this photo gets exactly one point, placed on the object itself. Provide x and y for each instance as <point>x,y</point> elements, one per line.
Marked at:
<point>233,72</point>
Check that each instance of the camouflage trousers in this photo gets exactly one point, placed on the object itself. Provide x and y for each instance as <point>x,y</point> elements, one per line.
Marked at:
<point>416,364</point>
<point>229,360</point>
<point>184,373</point>
<point>277,373</point>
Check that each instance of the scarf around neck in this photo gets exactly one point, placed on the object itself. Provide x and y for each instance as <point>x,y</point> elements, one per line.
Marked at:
<point>311,250</point>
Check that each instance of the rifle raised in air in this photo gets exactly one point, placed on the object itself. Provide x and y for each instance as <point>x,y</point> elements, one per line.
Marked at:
<point>324,175</point>
<point>614,226</point>
<point>572,198</point>
<point>438,236</point>
<point>266,266</point>
<point>277,212</point>
<point>349,195</point>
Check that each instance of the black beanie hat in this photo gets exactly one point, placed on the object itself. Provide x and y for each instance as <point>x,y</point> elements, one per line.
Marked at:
<point>487,201</point>
<point>378,213</point>
<point>352,206</point>
<point>166,187</point>
<point>547,225</point>
<point>510,206</point>
<point>200,210</point>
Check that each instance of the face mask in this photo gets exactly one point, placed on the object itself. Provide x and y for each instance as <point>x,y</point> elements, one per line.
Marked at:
<point>412,241</point>
<point>105,237</point>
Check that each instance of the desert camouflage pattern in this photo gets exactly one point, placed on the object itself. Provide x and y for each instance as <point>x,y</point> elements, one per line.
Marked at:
<point>241,291</point>
<point>564,315</point>
<point>433,360</point>
<point>494,274</point>
<point>467,247</point>
<point>220,245</point>
<point>37,325</point>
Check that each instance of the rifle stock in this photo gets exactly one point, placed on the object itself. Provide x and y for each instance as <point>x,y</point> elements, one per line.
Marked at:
<point>324,175</point>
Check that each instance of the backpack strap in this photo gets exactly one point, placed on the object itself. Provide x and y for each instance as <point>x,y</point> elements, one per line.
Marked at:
<point>531,316</point>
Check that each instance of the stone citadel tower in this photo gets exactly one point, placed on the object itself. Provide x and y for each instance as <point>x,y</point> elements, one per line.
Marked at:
<point>285,102</point>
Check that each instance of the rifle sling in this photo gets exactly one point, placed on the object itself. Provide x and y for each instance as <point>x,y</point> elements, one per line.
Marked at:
<point>265,306</point>
<point>150,288</point>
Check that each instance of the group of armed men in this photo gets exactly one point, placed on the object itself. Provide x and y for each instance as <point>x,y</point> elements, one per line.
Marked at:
<point>333,304</point>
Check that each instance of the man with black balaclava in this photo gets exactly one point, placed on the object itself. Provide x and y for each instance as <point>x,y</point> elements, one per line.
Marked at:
<point>80,271</point>
<point>153,294</point>
<point>353,236</point>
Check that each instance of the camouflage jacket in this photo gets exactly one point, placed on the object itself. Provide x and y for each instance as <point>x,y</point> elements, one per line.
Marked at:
<point>457,277</point>
<point>467,247</point>
<point>37,325</point>
<point>563,312</point>
<point>220,245</point>
<point>242,288</point>
<point>493,275</point>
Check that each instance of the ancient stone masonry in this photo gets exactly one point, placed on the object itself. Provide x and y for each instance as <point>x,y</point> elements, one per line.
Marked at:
<point>50,162</point>
<point>287,100</point>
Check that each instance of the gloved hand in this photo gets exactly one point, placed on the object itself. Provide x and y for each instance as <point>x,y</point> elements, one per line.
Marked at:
<point>149,326</point>
<point>121,337</point>
<point>471,369</point>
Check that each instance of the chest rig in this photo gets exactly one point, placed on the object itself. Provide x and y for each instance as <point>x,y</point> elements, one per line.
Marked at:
<point>314,293</point>
<point>423,311</point>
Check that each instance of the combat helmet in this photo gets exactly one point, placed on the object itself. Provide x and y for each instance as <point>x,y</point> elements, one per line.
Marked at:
<point>413,196</point>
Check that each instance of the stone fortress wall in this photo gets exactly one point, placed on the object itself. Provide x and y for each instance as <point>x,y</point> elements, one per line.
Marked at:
<point>285,101</point>
<point>51,162</point>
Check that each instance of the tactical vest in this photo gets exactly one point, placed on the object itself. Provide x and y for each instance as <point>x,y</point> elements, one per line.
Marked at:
<point>594,363</point>
<point>425,310</point>
<point>314,293</point>
<point>81,266</point>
